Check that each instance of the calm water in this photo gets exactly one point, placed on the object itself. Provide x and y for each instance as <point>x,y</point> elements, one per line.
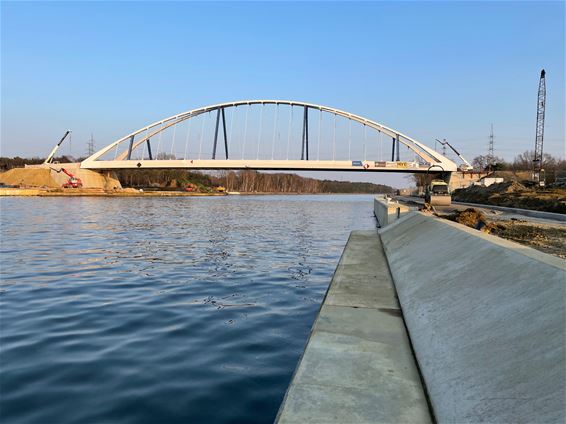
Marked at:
<point>162,310</point>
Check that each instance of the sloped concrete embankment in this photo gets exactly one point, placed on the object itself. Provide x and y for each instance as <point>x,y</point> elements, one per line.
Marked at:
<point>486,318</point>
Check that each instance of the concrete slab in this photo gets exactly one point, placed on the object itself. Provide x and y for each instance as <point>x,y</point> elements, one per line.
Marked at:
<point>487,319</point>
<point>355,286</point>
<point>358,366</point>
<point>318,404</point>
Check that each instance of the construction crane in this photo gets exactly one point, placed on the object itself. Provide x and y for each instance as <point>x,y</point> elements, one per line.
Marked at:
<point>50,157</point>
<point>462,167</point>
<point>538,171</point>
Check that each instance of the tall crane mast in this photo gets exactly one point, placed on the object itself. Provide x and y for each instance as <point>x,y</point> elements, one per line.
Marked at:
<point>541,104</point>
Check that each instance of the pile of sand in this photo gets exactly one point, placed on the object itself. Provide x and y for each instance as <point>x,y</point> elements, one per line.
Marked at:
<point>28,177</point>
<point>501,188</point>
<point>471,218</point>
<point>507,187</point>
<point>515,195</point>
<point>481,194</point>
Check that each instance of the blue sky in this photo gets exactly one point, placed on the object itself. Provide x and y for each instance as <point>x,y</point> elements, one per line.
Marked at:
<point>428,69</point>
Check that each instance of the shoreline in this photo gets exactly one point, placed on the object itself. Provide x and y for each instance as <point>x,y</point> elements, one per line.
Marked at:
<point>39,192</point>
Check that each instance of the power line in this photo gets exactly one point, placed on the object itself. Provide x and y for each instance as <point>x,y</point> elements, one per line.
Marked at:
<point>90,145</point>
<point>491,149</point>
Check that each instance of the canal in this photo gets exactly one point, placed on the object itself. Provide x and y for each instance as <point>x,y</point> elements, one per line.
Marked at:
<point>172,310</point>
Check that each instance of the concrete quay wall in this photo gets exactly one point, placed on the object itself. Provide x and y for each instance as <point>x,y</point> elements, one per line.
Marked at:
<point>388,211</point>
<point>358,366</point>
<point>486,318</point>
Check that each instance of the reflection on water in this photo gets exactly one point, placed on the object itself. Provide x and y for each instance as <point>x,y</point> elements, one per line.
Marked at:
<point>145,310</point>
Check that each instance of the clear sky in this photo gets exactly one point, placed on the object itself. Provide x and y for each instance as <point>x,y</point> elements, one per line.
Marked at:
<point>428,69</point>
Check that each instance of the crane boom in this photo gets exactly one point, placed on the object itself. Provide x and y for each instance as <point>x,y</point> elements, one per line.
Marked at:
<point>466,166</point>
<point>50,157</point>
<point>541,105</point>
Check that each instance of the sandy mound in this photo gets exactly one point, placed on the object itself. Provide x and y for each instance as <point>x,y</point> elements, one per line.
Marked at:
<point>25,177</point>
<point>50,178</point>
<point>515,195</point>
<point>469,217</point>
<point>507,187</point>
<point>481,192</point>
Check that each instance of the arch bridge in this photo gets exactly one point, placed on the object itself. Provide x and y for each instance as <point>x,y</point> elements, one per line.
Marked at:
<point>269,135</point>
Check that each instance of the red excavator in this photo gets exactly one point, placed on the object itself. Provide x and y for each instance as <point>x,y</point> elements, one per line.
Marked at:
<point>72,182</point>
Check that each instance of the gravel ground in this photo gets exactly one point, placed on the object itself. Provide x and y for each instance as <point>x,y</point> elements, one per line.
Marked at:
<point>548,238</point>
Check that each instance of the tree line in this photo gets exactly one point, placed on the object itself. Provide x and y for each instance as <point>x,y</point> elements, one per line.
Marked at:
<point>243,181</point>
<point>253,181</point>
<point>522,162</point>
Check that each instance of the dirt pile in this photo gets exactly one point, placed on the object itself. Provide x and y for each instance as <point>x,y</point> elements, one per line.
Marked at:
<point>471,218</point>
<point>26,177</point>
<point>548,238</point>
<point>516,195</point>
<point>477,191</point>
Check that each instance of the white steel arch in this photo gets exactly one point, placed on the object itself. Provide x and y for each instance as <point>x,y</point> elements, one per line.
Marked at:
<point>432,157</point>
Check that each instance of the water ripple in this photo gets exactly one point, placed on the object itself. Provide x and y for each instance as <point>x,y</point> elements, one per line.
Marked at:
<point>173,310</point>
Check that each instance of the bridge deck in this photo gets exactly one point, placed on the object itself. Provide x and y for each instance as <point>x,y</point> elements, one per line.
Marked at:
<point>315,165</point>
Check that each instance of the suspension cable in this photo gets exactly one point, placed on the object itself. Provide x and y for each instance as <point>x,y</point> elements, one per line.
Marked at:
<point>289,132</point>
<point>334,141</point>
<point>188,137</point>
<point>275,130</point>
<point>380,144</point>
<point>319,130</point>
<point>231,125</point>
<point>173,143</point>
<point>365,141</point>
<point>159,140</point>
<point>202,134</point>
<point>260,129</point>
<point>349,138</point>
<point>245,131</point>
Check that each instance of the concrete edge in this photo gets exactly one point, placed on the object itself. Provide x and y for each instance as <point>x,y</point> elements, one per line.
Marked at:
<point>284,400</point>
<point>548,259</point>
